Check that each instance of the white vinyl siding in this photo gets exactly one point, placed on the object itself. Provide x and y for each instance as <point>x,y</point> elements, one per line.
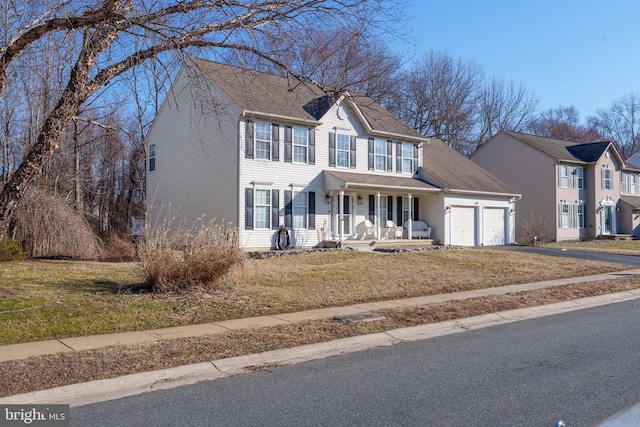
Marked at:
<point>263,140</point>
<point>300,145</point>
<point>342,150</point>
<point>380,154</point>
<point>262,209</point>
<point>381,214</point>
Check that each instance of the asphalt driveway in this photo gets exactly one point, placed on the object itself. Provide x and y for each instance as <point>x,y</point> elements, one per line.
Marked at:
<point>577,254</point>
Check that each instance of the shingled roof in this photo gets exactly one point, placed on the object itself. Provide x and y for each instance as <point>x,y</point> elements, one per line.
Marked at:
<point>563,150</point>
<point>453,171</point>
<point>269,94</point>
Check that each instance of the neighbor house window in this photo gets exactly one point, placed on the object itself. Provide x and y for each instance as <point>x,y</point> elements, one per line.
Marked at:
<point>342,150</point>
<point>408,157</point>
<point>300,210</point>
<point>578,177</point>
<point>633,183</point>
<point>564,215</point>
<point>263,140</point>
<point>300,144</point>
<point>152,157</point>
<point>579,216</point>
<point>607,178</point>
<point>380,154</point>
<point>263,209</point>
<point>624,177</point>
<point>563,172</point>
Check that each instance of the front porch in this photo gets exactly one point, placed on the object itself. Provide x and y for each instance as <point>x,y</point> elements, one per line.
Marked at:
<point>367,245</point>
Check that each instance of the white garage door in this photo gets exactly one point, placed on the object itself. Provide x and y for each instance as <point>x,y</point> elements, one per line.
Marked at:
<point>494,226</point>
<point>463,226</point>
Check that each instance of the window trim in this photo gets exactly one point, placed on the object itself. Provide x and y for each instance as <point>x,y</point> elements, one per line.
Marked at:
<point>257,205</point>
<point>258,141</point>
<point>342,150</point>
<point>294,206</point>
<point>303,132</point>
<point>383,143</point>
<point>152,157</point>
<point>562,215</point>
<point>607,182</point>
<point>411,146</point>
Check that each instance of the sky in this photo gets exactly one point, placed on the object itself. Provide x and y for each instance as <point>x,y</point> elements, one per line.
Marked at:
<point>567,52</point>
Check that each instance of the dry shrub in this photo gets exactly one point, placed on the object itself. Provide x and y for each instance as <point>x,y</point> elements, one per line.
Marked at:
<point>193,260</point>
<point>534,230</point>
<point>116,247</point>
<point>45,225</point>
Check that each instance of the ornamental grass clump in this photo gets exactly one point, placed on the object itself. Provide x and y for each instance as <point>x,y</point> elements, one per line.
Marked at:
<point>187,261</point>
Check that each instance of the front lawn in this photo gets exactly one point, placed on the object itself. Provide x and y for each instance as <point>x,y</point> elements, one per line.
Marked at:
<point>54,299</point>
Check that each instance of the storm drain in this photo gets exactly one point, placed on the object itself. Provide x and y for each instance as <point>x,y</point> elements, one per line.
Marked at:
<point>360,317</point>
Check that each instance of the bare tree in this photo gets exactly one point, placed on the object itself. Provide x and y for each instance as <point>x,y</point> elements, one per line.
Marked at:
<point>504,106</point>
<point>621,123</point>
<point>564,123</point>
<point>439,99</point>
<point>111,38</point>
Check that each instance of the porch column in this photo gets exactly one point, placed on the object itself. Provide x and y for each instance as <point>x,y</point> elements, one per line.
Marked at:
<point>341,214</point>
<point>377,212</point>
<point>410,221</point>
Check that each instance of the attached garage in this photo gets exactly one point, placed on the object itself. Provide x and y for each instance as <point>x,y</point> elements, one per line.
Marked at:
<point>494,226</point>
<point>463,225</point>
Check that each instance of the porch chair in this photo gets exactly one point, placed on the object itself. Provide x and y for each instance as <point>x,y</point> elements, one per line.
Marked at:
<point>365,230</point>
<point>391,230</point>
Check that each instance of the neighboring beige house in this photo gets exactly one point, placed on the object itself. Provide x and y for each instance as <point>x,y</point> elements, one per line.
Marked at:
<point>263,152</point>
<point>578,190</point>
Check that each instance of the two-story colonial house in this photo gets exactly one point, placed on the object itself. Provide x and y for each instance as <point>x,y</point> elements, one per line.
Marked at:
<point>263,151</point>
<point>579,190</point>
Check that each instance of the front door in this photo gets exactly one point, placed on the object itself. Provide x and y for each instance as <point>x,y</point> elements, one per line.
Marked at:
<point>607,219</point>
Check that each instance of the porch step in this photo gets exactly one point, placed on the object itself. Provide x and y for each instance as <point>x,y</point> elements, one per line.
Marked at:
<point>615,237</point>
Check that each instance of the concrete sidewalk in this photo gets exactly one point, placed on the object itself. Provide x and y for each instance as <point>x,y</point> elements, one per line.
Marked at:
<point>21,351</point>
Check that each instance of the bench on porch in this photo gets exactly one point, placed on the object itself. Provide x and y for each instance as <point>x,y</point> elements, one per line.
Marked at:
<point>419,229</point>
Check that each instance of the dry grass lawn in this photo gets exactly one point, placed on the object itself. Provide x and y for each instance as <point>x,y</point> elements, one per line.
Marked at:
<point>55,299</point>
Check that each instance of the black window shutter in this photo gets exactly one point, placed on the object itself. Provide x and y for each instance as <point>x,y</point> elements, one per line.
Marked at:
<point>371,155</point>
<point>248,208</point>
<point>248,139</point>
<point>390,208</point>
<point>415,158</point>
<point>398,156</point>
<point>399,211</point>
<point>275,209</point>
<point>312,146</point>
<point>416,209</point>
<point>389,156</point>
<point>311,225</point>
<point>275,142</point>
<point>352,153</point>
<point>288,143</point>
<point>372,208</point>
<point>332,149</point>
<point>288,208</point>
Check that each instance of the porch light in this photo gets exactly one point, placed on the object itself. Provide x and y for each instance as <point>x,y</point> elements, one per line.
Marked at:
<point>327,199</point>
<point>360,200</point>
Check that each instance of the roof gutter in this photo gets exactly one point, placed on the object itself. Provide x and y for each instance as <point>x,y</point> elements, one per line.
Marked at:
<point>487,193</point>
<point>279,117</point>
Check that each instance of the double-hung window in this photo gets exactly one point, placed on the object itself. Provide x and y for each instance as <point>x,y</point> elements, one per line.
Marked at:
<point>407,158</point>
<point>579,216</point>
<point>262,208</point>
<point>607,178</point>
<point>578,177</point>
<point>300,145</point>
<point>563,171</point>
<point>342,150</point>
<point>152,157</point>
<point>633,183</point>
<point>300,210</point>
<point>624,178</point>
<point>564,212</point>
<point>263,140</point>
<point>380,154</point>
